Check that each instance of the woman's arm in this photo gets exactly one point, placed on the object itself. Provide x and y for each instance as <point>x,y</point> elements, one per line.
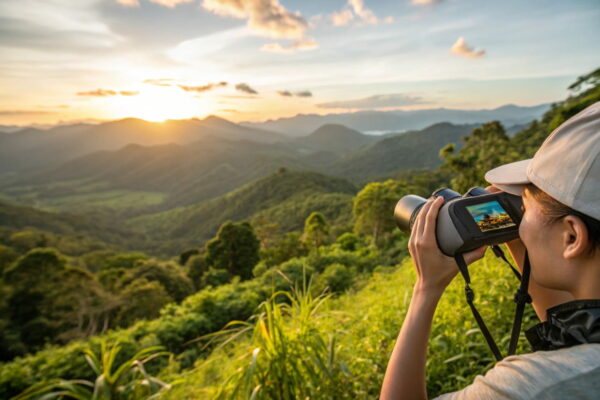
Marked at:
<point>405,374</point>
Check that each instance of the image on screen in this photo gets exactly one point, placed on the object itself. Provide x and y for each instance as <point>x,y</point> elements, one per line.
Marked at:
<point>490,216</point>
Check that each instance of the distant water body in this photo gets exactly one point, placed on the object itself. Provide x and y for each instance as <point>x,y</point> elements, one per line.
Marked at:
<point>382,133</point>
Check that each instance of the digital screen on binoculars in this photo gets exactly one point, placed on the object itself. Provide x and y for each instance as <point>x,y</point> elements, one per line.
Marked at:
<point>490,216</point>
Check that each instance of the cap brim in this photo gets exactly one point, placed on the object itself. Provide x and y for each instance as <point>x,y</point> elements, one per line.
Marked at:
<point>511,178</point>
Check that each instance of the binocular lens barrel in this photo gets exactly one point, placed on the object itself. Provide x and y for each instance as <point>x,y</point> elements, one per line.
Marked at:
<point>407,210</point>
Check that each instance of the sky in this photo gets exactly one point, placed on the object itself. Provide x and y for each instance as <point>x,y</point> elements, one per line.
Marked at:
<point>254,60</point>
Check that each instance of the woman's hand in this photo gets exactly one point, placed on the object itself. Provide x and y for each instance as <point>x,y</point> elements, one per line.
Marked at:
<point>435,270</point>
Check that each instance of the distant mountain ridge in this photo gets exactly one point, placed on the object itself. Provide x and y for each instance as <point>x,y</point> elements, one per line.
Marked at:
<point>33,148</point>
<point>335,138</point>
<point>398,120</point>
<point>411,150</point>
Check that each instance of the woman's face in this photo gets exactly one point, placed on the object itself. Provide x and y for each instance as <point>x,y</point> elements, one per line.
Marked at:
<point>544,242</point>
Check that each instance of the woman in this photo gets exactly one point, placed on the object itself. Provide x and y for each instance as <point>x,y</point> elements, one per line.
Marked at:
<point>560,231</point>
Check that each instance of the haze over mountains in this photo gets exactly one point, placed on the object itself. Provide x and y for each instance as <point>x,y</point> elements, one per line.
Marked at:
<point>398,120</point>
<point>175,182</point>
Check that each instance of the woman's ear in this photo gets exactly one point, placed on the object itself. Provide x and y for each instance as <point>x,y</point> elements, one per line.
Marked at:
<point>575,237</point>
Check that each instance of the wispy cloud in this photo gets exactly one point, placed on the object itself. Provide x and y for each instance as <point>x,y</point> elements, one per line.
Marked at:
<point>166,3</point>
<point>302,93</point>
<point>355,11</point>
<point>425,2</point>
<point>107,93</point>
<point>377,101</point>
<point>266,17</point>
<point>301,45</point>
<point>203,88</point>
<point>159,81</point>
<point>461,48</point>
<point>244,87</point>
<point>24,112</point>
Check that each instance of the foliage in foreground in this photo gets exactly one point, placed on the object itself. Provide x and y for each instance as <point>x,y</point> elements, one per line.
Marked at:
<point>336,348</point>
<point>125,381</point>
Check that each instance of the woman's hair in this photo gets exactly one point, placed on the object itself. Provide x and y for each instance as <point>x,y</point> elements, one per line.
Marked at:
<point>556,210</point>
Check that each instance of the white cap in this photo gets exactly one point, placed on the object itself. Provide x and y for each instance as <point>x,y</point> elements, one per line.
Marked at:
<point>566,166</point>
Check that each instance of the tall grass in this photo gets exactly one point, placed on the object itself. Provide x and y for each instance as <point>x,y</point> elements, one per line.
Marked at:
<point>321,347</point>
<point>286,356</point>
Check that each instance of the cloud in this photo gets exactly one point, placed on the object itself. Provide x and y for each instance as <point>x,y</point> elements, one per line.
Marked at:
<point>159,81</point>
<point>355,10</point>
<point>129,3</point>
<point>166,3</point>
<point>376,101</point>
<point>24,112</point>
<point>301,45</point>
<point>425,2</point>
<point>266,17</point>
<point>107,93</point>
<point>244,87</point>
<point>203,88</point>
<point>302,93</point>
<point>343,17</point>
<point>461,48</point>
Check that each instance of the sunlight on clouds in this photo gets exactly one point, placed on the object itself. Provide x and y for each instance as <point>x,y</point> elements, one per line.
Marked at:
<point>129,3</point>
<point>166,3</point>
<point>266,17</point>
<point>461,48</point>
<point>355,10</point>
<point>425,2</point>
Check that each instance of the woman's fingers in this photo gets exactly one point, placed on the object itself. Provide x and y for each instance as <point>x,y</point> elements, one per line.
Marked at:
<point>431,218</point>
<point>492,189</point>
<point>421,218</point>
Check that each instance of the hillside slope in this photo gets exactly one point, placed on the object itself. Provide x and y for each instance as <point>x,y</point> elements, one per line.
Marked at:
<point>284,193</point>
<point>411,150</point>
<point>335,138</point>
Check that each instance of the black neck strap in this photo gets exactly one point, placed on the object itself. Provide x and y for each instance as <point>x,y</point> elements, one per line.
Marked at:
<point>521,298</point>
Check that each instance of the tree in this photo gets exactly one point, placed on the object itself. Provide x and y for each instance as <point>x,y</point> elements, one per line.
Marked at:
<point>234,249</point>
<point>373,209</point>
<point>485,148</point>
<point>7,256</point>
<point>316,231</point>
<point>185,256</point>
<point>196,267</point>
<point>284,248</point>
<point>27,240</point>
<point>169,275</point>
<point>141,299</point>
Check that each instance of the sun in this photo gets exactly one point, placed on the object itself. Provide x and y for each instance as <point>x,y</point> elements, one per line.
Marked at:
<point>158,104</point>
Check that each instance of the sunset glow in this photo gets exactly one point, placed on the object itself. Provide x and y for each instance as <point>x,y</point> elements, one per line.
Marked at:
<point>244,60</point>
<point>158,104</point>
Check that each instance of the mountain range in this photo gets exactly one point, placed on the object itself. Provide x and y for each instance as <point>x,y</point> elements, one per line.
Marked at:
<point>398,120</point>
<point>172,184</point>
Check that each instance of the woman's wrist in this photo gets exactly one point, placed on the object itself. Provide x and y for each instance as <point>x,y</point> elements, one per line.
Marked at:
<point>427,290</point>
